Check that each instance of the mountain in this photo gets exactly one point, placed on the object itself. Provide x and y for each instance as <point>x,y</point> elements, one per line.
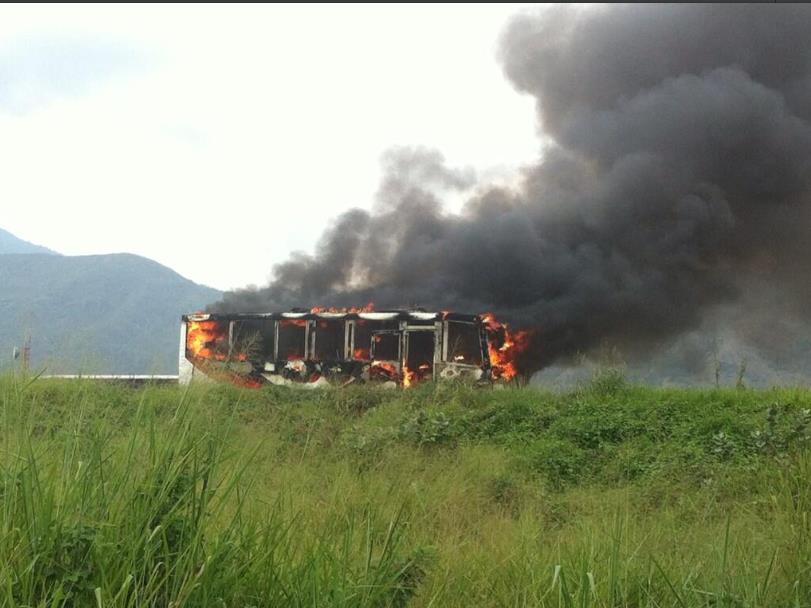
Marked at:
<point>117,313</point>
<point>11,244</point>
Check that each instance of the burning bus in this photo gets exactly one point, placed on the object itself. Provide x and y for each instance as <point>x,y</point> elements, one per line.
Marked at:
<point>322,347</point>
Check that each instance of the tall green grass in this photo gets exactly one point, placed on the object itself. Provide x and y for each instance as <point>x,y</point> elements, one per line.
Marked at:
<point>147,507</point>
<point>608,496</point>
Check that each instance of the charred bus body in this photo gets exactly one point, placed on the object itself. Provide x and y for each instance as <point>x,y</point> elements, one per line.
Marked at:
<point>336,348</point>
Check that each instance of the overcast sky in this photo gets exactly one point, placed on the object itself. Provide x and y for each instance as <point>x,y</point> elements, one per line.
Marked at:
<point>217,139</point>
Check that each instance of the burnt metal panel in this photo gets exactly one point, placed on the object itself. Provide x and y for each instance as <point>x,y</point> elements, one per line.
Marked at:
<point>400,315</point>
<point>387,332</point>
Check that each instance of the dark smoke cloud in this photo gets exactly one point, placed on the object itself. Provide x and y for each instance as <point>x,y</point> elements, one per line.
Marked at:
<point>679,174</point>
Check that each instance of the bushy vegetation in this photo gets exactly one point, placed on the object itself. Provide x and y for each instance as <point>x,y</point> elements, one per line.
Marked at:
<point>445,495</point>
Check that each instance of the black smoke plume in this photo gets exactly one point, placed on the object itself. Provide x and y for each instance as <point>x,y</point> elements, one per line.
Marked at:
<point>677,180</point>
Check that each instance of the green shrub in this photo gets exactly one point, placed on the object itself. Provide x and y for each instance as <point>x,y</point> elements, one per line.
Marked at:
<point>560,461</point>
<point>427,428</point>
<point>507,419</point>
<point>607,381</point>
<point>786,428</point>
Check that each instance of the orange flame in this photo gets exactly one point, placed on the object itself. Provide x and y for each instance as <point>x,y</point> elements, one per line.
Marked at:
<point>384,368</point>
<point>293,323</point>
<point>409,377</point>
<point>202,338</point>
<point>504,346</point>
<point>201,343</point>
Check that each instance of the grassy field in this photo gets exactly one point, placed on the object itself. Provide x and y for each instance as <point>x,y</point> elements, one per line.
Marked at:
<point>611,495</point>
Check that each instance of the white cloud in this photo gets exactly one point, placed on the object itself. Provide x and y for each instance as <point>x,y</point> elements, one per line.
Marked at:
<point>35,71</point>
